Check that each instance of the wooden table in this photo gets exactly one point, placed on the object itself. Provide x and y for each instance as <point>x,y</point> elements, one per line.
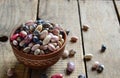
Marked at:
<point>103,17</point>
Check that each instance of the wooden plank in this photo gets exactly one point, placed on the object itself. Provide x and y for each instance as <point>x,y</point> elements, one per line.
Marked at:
<point>19,70</point>
<point>12,14</point>
<point>66,13</point>
<point>26,72</point>
<point>117,2</point>
<point>104,29</point>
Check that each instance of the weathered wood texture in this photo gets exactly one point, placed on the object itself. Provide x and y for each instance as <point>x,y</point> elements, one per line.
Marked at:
<point>117,2</point>
<point>66,14</point>
<point>12,14</point>
<point>104,29</point>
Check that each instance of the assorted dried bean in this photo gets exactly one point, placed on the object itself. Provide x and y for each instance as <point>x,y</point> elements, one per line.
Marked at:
<point>38,37</point>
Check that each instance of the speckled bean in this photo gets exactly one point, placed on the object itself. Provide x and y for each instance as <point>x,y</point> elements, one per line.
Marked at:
<point>19,39</point>
<point>42,52</point>
<point>51,47</point>
<point>47,39</point>
<point>85,27</point>
<point>15,42</point>
<point>88,56</point>
<point>100,68</point>
<point>72,53</point>
<point>22,43</point>
<point>32,28</point>
<point>55,31</point>
<point>35,39</point>
<point>14,37</point>
<point>54,39</point>
<point>62,41</point>
<point>60,37</point>
<point>27,49</point>
<point>36,46</point>
<point>43,34</point>
<point>30,44</point>
<point>57,47</point>
<point>70,67</point>
<point>59,43</point>
<point>28,38</point>
<point>95,65</point>
<point>37,52</point>
<point>55,44</point>
<point>74,39</point>
<point>39,28</point>
<point>23,33</point>
<point>43,47</point>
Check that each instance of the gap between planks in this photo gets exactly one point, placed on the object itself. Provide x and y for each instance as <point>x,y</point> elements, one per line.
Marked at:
<point>37,15</point>
<point>116,10</point>
<point>82,37</point>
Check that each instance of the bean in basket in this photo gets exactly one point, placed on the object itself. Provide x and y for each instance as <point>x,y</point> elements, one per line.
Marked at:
<point>38,44</point>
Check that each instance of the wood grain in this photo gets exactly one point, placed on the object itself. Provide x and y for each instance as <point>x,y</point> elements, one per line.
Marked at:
<point>104,29</point>
<point>65,13</point>
<point>12,14</point>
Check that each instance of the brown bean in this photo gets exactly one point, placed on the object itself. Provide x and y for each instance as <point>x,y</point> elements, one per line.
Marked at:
<point>85,27</point>
<point>74,39</point>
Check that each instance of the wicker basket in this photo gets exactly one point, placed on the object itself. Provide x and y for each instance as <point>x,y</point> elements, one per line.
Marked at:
<point>38,61</point>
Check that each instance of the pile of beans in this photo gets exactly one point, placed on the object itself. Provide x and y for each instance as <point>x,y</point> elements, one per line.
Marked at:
<point>38,37</point>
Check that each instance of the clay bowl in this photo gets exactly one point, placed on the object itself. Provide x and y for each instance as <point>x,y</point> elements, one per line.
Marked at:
<point>38,61</point>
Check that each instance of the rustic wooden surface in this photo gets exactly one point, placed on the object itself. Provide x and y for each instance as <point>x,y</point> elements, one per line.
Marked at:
<point>12,14</point>
<point>100,15</point>
<point>104,29</point>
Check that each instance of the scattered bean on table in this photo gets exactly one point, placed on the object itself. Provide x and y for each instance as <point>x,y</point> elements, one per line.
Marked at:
<point>74,39</point>
<point>88,57</point>
<point>85,27</point>
<point>103,48</point>
<point>70,67</point>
